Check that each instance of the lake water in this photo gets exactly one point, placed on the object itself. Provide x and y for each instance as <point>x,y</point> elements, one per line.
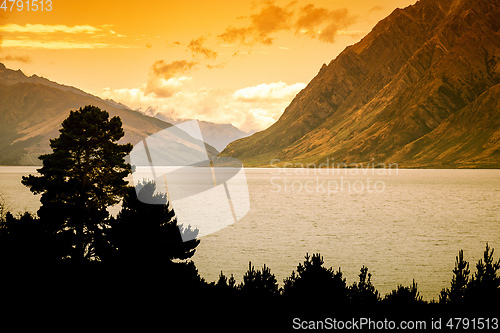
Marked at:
<point>402,224</point>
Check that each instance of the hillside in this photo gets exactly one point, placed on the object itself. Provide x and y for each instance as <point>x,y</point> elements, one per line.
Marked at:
<point>420,90</point>
<point>32,109</point>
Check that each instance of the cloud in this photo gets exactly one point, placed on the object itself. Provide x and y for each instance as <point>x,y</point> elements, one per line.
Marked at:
<point>270,19</point>
<point>18,58</point>
<point>250,109</point>
<point>58,36</point>
<point>167,71</point>
<point>232,35</point>
<point>315,22</point>
<point>376,8</point>
<point>41,44</point>
<point>46,28</point>
<point>269,92</point>
<point>221,65</point>
<point>162,88</point>
<point>322,23</point>
<point>9,57</point>
<point>196,47</point>
<point>165,80</point>
<point>220,106</point>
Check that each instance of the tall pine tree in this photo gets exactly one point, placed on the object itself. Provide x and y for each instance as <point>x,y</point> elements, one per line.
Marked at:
<point>457,291</point>
<point>81,178</point>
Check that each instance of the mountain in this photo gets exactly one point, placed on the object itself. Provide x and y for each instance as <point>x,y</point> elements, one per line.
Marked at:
<point>33,108</point>
<point>422,89</point>
<point>216,135</point>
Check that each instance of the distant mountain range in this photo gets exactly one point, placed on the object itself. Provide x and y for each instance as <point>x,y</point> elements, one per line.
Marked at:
<point>217,135</point>
<point>422,89</point>
<point>33,108</point>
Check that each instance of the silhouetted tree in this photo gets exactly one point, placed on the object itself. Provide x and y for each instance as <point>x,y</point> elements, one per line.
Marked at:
<point>312,280</point>
<point>259,282</point>
<point>3,210</point>
<point>484,286</point>
<point>145,234</point>
<point>25,242</point>
<point>404,296</point>
<point>225,286</point>
<point>82,177</point>
<point>364,292</point>
<point>455,294</point>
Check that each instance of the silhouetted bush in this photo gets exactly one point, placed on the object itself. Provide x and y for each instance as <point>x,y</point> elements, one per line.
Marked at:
<point>145,234</point>
<point>312,280</point>
<point>404,296</point>
<point>480,289</point>
<point>28,241</point>
<point>364,292</point>
<point>225,286</point>
<point>484,286</point>
<point>456,293</point>
<point>258,282</point>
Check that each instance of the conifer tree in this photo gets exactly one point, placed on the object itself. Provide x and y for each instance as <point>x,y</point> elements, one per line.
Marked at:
<point>145,234</point>
<point>457,291</point>
<point>81,178</point>
<point>364,292</point>
<point>484,286</point>
<point>259,282</point>
<point>313,280</point>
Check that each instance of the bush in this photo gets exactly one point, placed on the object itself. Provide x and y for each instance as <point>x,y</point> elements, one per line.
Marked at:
<point>480,289</point>
<point>259,282</point>
<point>363,292</point>
<point>404,296</point>
<point>312,280</point>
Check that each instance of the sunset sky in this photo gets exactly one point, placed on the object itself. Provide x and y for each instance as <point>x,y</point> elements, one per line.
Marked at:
<point>238,62</point>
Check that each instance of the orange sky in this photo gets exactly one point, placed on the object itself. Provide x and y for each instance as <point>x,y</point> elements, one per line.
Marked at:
<point>224,61</point>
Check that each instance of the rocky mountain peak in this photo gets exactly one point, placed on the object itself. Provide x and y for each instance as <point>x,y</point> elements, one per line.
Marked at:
<point>415,71</point>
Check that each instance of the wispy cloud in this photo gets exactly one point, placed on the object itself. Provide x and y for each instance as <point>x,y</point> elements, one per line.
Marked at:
<point>196,47</point>
<point>18,58</point>
<point>10,57</point>
<point>321,23</point>
<point>268,92</point>
<point>167,71</point>
<point>59,36</point>
<point>376,8</point>
<point>48,44</point>
<point>166,79</point>
<point>315,22</point>
<point>250,109</point>
<point>269,20</point>
<point>44,28</point>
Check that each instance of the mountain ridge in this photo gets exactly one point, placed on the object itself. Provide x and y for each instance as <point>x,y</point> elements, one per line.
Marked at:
<point>32,109</point>
<point>217,135</point>
<point>410,74</point>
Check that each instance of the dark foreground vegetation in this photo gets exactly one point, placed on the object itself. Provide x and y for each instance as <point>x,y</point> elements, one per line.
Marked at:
<point>74,253</point>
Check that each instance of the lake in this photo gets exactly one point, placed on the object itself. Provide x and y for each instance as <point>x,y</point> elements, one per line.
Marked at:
<point>402,224</point>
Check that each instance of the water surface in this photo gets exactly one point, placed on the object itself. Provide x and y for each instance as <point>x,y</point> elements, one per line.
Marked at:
<point>402,225</point>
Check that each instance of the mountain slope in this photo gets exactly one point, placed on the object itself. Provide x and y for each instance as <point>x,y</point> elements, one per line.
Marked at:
<point>456,142</point>
<point>381,98</point>
<point>32,109</point>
